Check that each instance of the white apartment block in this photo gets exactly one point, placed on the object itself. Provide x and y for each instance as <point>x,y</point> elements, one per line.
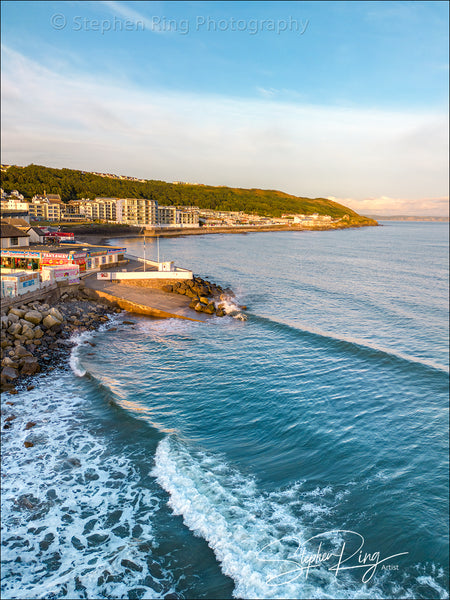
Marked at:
<point>12,203</point>
<point>172,216</point>
<point>103,209</point>
<point>168,216</point>
<point>189,218</point>
<point>137,211</point>
<point>46,208</point>
<point>130,211</point>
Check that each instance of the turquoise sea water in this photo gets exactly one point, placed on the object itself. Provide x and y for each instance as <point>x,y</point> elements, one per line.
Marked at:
<point>302,453</point>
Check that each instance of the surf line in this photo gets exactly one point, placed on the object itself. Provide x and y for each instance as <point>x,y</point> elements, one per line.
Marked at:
<point>303,561</point>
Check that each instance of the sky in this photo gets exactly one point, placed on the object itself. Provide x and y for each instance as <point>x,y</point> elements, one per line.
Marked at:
<point>342,100</point>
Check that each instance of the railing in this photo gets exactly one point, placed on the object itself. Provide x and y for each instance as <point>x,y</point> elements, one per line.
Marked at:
<point>133,275</point>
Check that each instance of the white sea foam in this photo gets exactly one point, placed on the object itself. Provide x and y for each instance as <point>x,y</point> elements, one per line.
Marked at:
<point>232,308</point>
<point>79,338</point>
<point>252,534</point>
<point>75,521</point>
<point>429,581</point>
<point>74,359</point>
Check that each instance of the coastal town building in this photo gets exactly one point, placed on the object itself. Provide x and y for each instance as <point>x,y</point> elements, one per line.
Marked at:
<point>14,203</point>
<point>13,237</point>
<point>18,283</point>
<point>314,220</point>
<point>15,214</point>
<point>189,217</point>
<point>35,257</point>
<point>36,235</point>
<point>102,209</point>
<point>137,211</point>
<point>48,207</point>
<point>145,212</point>
<point>168,215</point>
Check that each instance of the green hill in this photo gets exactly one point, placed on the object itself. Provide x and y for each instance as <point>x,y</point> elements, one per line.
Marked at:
<point>72,185</point>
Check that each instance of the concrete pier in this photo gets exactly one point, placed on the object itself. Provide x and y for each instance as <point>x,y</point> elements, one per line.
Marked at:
<point>148,301</point>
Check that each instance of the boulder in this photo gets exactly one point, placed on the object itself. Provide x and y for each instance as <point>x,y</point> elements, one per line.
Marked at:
<point>14,328</point>
<point>19,312</point>
<point>21,352</point>
<point>8,374</point>
<point>54,312</point>
<point>167,288</point>
<point>5,322</point>
<point>5,344</point>
<point>204,300</point>
<point>220,312</point>
<point>7,362</point>
<point>51,321</point>
<point>33,316</point>
<point>30,366</point>
<point>210,309</point>
<point>199,307</point>
<point>27,333</point>
<point>38,333</point>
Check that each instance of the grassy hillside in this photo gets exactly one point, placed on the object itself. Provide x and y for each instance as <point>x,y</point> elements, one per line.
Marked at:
<point>71,185</point>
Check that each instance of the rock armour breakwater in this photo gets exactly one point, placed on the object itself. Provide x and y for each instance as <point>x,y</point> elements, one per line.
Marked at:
<point>207,297</point>
<point>36,337</point>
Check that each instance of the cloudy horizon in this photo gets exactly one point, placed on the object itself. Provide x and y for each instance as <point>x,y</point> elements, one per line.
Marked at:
<point>90,107</point>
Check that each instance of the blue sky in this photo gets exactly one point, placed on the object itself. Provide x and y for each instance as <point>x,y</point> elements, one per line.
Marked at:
<point>347,100</point>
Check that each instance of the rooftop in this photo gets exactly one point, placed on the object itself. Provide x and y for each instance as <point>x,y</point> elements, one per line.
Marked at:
<point>63,248</point>
<point>17,222</point>
<point>8,231</point>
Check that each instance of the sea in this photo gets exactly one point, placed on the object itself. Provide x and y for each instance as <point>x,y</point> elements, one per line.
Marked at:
<point>299,453</point>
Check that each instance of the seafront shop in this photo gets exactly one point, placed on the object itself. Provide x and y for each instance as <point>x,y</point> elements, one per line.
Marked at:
<point>85,257</point>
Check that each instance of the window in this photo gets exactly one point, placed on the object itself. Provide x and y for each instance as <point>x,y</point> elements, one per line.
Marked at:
<point>14,241</point>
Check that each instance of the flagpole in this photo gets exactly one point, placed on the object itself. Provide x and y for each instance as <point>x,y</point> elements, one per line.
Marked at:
<point>144,251</point>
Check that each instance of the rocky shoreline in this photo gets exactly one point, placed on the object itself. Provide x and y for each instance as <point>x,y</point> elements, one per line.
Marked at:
<point>206,297</point>
<point>35,337</point>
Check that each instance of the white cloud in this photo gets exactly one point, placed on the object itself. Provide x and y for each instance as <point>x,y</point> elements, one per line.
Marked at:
<point>385,206</point>
<point>62,120</point>
<point>123,10</point>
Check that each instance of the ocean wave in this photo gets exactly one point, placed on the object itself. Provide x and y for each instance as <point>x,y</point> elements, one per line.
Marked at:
<point>252,534</point>
<point>80,338</point>
<point>356,346</point>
